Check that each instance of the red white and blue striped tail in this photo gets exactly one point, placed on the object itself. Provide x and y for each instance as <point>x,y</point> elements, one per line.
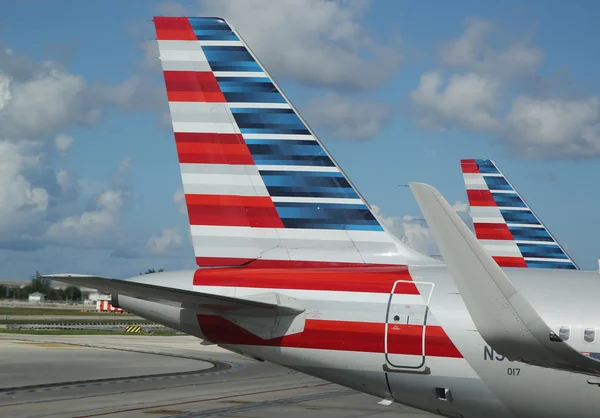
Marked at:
<point>505,225</point>
<point>260,187</point>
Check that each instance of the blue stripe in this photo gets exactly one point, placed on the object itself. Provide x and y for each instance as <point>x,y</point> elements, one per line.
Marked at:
<point>269,121</point>
<point>281,152</point>
<point>541,251</point>
<point>521,233</point>
<point>230,58</point>
<point>215,35</point>
<point>327,216</point>
<point>519,217</point>
<point>249,90</point>
<point>550,265</point>
<point>307,184</point>
<point>486,166</point>
<point>497,183</point>
<point>509,200</point>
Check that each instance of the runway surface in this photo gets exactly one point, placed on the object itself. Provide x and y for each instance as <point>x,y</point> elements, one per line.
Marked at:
<point>123,376</point>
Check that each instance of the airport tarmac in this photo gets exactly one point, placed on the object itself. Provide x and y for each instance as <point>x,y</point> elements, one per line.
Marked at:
<point>175,377</point>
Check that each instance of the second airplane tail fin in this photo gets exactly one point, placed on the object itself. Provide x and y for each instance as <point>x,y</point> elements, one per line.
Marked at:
<point>505,225</point>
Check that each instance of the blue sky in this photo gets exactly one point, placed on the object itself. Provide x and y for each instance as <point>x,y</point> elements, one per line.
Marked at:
<point>397,91</point>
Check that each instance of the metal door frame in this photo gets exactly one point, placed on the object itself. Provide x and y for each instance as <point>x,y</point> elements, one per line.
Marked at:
<point>387,323</point>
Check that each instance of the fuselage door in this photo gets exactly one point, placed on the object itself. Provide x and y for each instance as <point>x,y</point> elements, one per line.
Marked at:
<point>406,321</point>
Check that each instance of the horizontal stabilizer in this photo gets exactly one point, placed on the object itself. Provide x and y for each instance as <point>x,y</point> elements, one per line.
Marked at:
<point>502,315</point>
<point>265,304</point>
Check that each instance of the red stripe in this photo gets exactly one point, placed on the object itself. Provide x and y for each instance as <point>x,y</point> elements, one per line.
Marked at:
<point>350,279</point>
<point>289,264</point>
<point>469,166</point>
<point>224,210</point>
<point>492,231</point>
<point>198,148</point>
<point>338,335</point>
<point>192,86</point>
<point>195,96</point>
<point>174,29</point>
<point>510,261</point>
<point>480,198</point>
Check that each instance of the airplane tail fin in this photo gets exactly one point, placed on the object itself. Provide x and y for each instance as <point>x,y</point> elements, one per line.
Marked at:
<point>505,225</point>
<point>260,187</point>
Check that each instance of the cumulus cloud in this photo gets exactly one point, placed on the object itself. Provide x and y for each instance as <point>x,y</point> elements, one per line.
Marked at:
<point>179,199</point>
<point>98,226</point>
<point>467,100</point>
<point>165,243</point>
<point>42,98</point>
<point>473,98</point>
<point>348,118</point>
<point>413,231</point>
<point>316,42</point>
<point>553,127</point>
<point>472,52</point>
<point>21,203</point>
<point>63,143</point>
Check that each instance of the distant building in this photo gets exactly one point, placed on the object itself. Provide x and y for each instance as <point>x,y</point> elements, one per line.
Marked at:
<point>37,297</point>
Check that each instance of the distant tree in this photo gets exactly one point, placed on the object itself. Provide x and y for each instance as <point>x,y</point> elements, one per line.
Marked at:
<point>150,271</point>
<point>72,293</point>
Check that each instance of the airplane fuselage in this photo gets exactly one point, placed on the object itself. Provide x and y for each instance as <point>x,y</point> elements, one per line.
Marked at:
<point>403,334</point>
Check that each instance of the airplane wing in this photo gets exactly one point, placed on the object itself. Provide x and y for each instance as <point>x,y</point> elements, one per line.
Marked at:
<point>265,304</point>
<point>503,316</point>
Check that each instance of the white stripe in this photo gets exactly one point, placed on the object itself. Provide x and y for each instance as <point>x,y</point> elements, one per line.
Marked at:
<point>316,200</point>
<point>511,208</point>
<point>288,233</point>
<point>280,137</point>
<point>502,191</point>
<point>298,168</point>
<point>491,175</point>
<point>474,182</point>
<point>220,179</point>
<point>344,254</point>
<point>205,127</point>
<point>312,295</point>
<point>241,105</point>
<point>562,260</point>
<point>240,74</point>
<point>174,55</point>
<point>219,43</point>
<point>549,243</point>
<point>527,226</point>
<point>486,220</point>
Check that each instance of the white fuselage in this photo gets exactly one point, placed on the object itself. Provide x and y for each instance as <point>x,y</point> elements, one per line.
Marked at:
<point>421,350</point>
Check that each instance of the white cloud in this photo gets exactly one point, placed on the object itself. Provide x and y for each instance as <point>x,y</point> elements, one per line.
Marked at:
<point>348,118</point>
<point>317,42</point>
<point>63,143</point>
<point>163,244</point>
<point>92,228</point>
<point>468,100</point>
<point>21,203</point>
<point>5,93</point>
<point>98,226</point>
<point>473,100</point>
<point>179,199</point>
<point>414,232</point>
<point>553,127</point>
<point>472,52</point>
